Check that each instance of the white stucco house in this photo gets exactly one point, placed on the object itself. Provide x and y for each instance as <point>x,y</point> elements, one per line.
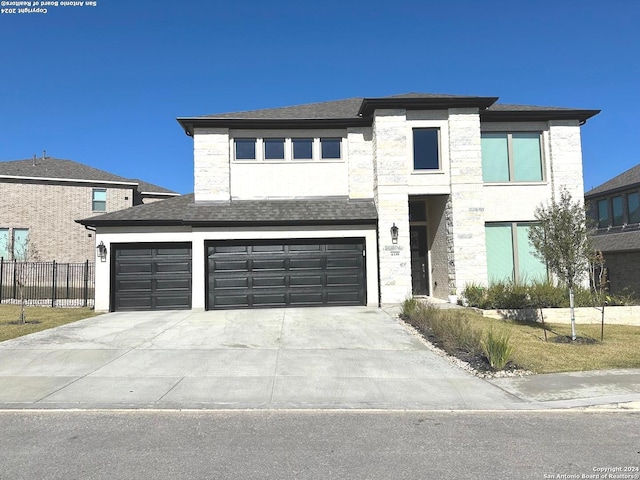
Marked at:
<point>363,201</point>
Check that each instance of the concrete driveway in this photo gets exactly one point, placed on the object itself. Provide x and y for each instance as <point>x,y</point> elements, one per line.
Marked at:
<point>340,357</point>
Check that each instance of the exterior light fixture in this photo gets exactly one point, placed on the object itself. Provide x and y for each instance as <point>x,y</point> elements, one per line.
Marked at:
<point>102,251</point>
<point>394,234</point>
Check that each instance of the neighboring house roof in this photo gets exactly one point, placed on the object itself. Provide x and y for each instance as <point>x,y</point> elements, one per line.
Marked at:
<point>358,112</point>
<point>184,211</point>
<point>628,179</point>
<point>617,242</point>
<point>49,168</point>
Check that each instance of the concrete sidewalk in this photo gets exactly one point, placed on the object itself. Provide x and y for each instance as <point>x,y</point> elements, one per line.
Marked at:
<point>328,358</point>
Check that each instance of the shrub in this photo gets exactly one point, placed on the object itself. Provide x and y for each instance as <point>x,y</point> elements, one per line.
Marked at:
<point>497,348</point>
<point>544,294</point>
<point>408,307</point>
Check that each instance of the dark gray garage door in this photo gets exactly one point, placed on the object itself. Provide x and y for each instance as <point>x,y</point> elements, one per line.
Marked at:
<point>151,277</point>
<point>285,273</point>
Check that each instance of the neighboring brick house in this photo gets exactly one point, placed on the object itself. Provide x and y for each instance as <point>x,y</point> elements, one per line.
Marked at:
<point>362,201</point>
<point>42,197</point>
<point>614,208</point>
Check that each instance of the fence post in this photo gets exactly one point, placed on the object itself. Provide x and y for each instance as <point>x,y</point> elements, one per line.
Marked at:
<point>15,280</point>
<point>53,285</point>
<point>86,281</point>
<point>1,276</point>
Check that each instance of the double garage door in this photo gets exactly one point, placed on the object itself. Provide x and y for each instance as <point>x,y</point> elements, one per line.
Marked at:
<point>241,274</point>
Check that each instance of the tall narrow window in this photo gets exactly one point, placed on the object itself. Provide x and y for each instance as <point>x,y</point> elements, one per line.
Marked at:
<point>618,211</point>
<point>633,202</point>
<point>20,244</point>
<point>511,157</point>
<point>426,149</point>
<point>245,148</point>
<point>603,213</point>
<point>99,200</point>
<point>4,243</point>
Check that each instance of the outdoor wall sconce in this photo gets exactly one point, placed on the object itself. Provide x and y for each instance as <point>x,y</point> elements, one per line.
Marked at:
<point>394,234</point>
<point>102,251</point>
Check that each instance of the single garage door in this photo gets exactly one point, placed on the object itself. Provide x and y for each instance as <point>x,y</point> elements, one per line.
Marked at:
<point>285,273</point>
<point>151,277</point>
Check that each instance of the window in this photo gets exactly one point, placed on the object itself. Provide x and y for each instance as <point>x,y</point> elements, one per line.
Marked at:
<point>4,243</point>
<point>426,151</point>
<point>510,255</point>
<point>618,211</point>
<point>633,202</point>
<point>302,148</point>
<point>603,213</point>
<point>330,148</point>
<point>511,157</point>
<point>20,244</point>
<point>99,200</point>
<point>245,148</point>
<point>274,148</point>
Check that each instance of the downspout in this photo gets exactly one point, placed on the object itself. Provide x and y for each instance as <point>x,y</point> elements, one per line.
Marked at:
<point>378,262</point>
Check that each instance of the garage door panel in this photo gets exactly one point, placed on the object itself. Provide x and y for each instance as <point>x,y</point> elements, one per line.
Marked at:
<point>265,273</point>
<point>150,277</point>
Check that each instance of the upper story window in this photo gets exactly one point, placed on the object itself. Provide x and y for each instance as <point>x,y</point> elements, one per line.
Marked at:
<point>288,149</point>
<point>512,157</point>
<point>302,148</point>
<point>330,148</point>
<point>99,200</point>
<point>245,148</point>
<point>603,213</point>
<point>426,149</point>
<point>618,211</point>
<point>273,148</point>
<point>633,202</point>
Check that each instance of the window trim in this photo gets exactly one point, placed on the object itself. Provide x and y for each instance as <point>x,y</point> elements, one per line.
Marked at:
<point>510,157</point>
<point>93,199</point>
<point>438,145</point>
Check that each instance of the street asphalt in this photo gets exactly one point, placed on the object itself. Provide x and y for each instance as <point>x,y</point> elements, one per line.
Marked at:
<point>295,358</point>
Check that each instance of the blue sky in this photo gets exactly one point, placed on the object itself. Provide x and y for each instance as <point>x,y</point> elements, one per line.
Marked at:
<point>103,85</point>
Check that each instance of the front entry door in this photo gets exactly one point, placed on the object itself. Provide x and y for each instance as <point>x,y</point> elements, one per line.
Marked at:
<point>419,262</point>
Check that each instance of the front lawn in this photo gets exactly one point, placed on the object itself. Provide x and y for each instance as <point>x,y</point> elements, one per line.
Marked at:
<point>37,318</point>
<point>465,330</point>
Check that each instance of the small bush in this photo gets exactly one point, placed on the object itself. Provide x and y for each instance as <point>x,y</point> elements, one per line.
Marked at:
<point>497,348</point>
<point>408,307</point>
<point>544,294</point>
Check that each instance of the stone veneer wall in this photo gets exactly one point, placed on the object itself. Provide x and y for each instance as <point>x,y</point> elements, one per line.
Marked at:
<point>211,158</point>
<point>566,155</point>
<point>392,199</point>
<point>360,154</point>
<point>467,253</point>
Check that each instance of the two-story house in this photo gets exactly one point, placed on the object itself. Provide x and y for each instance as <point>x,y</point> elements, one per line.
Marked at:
<point>40,199</point>
<point>614,208</point>
<point>363,201</point>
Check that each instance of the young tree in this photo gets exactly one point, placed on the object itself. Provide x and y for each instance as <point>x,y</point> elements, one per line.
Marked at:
<point>25,254</point>
<point>561,241</point>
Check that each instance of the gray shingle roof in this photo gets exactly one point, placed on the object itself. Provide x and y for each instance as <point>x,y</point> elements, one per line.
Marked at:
<point>617,242</point>
<point>69,170</point>
<point>358,111</point>
<point>184,211</point>
<point>626,179</point>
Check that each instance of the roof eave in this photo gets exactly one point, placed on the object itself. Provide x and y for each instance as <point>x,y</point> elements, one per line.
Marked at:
<point>189,124</point>
<point>537,115</point>
<point>369,105</point>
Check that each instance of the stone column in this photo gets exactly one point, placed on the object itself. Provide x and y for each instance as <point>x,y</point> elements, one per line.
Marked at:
<point>211,164</point>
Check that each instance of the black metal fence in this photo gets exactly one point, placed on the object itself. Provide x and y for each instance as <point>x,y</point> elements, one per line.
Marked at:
<point>47,283</point>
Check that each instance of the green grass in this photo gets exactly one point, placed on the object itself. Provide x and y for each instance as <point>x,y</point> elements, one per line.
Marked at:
<point>37,319</point>
<point>620,348</point>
